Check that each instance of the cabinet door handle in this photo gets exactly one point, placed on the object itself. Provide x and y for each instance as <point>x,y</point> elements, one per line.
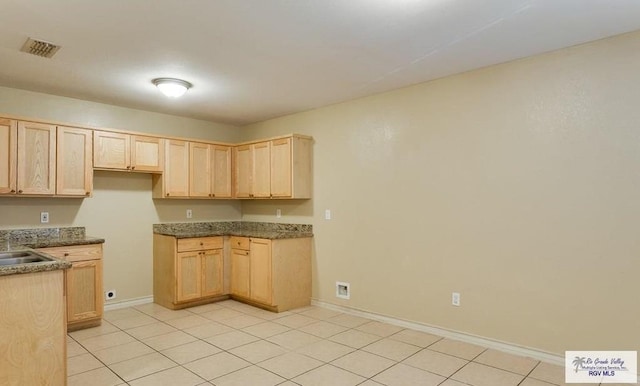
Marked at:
<point>128,167</point>
<point>13,190</point>
<point>66,254</point>
<point>87,193</point>
<point>167,194</point>
<point>133,167</point>
<point>213,195</point>
<point>20,191</point>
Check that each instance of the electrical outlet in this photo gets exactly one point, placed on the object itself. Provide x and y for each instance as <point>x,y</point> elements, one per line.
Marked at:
<point>327,214</point>
<point>110,294</point>
<point>455,299</point>
<point>189,213</point>
<point>44,217</point>
<point>278,213</point>
<point>343,290</point>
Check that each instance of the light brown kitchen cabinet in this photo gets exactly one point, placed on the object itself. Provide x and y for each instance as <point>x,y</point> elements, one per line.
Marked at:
<point>209,171</point>
<point>212,272</point>
<point>221,168</point>
<point>83,283</point>
<point>174,181</point>
<point>188,274</point>
<point>74,175</point>
<point>261,281</point>
<point>261,184</point>
<point>120,151</point>
<point>33,332</point>
<point>187,271</point>
<point>240,273</point>
<point>243,156</point>
<point>36,167</point>
<point>199,272</point>
<point>273,274</point>
<point>253,170</point>
<point>199,170</point>
<point>279,168</point>
<point>8,155</point>
<point>41,159</point>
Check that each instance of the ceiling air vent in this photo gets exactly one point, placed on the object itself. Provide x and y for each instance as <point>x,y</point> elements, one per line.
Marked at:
<point>40,48</point>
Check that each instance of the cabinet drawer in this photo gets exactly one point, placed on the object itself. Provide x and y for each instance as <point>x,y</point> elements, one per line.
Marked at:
<point>239,242</point>
<point>75,252</point>
<point>199,244</point>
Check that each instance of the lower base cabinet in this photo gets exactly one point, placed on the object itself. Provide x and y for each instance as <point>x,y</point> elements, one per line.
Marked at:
<point>32,330</point>
<point>273,274</point>
<point>83,283</point>
<point>187,272</point>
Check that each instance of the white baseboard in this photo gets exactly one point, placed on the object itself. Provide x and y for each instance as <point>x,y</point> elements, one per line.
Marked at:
<point>457,335</point>
<point>128,303</point>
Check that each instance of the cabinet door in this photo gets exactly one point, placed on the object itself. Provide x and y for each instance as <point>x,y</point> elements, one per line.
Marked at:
<point>188,273</point>
<point>212,272</point>
<point>111,150</point>
<point>146,153</point>
<point>221,169</point>
<point>281,167</point>
<point>36,158</point>
<point>243,170</point>
<point>199,170</point>
<point>8,155</point>
<point>176,171</point>
<point>74,163</point>
<point>240,267</point>
<point>261,170</point>
<point>260,284</point>
<point>84,290</point>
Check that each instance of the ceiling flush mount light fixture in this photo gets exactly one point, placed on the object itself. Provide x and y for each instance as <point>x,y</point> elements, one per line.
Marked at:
<point>173,88</point>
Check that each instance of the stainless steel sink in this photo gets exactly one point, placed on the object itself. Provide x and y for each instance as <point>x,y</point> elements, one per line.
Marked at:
<point>22,257</point>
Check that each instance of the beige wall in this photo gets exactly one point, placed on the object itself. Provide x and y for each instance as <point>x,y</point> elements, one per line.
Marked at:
<point>516,185</point>
<point>121,210</point>
<point>75,111</point>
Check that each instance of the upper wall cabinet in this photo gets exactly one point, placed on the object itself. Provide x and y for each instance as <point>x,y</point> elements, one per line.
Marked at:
<point>8,155</point>
<point>194,170</point>
<point>27,158</point>
<point>36,158</point>
<point>118,151</point>
<point>40,159</point>
<point>174,182</point>
<point>74,162</point>
<point>280,168</point>
<point>209,171</point>
<point>252,170</point>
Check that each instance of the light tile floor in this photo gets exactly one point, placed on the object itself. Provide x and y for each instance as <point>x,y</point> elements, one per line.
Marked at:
<point>233,344</point>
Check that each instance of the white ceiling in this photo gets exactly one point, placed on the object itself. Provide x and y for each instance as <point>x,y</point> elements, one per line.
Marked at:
<point>250,60</point>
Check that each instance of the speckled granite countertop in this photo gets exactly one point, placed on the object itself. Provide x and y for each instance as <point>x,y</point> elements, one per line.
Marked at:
<point>27,239</point>
<point>262,230</point>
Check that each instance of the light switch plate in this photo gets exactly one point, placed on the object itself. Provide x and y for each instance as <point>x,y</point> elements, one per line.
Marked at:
<point>327,214</point>
<point>44,217</point>
<point>455,299</point>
